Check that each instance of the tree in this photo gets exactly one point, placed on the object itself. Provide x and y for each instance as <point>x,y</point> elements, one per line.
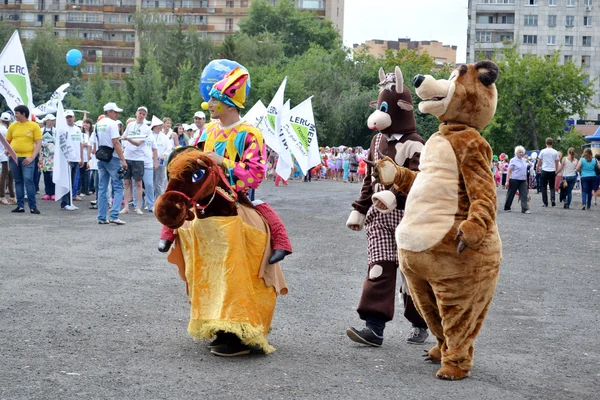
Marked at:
<point>46,56</point>
<point>183,99</point>
<point>535,97</point>
<point>97,92</point>
<point>145,87</point>
<point>296,29</point>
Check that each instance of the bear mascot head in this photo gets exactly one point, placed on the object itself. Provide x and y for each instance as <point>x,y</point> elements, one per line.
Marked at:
<point>468,97</point>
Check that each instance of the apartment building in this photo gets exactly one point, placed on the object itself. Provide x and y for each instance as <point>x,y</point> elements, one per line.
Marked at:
<point>539,27</point>
<point>106,27</point>
<point>443,54</point>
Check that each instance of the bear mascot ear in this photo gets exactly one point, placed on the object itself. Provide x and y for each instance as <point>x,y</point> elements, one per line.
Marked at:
<point>488,72</point>
<point>172,209</point>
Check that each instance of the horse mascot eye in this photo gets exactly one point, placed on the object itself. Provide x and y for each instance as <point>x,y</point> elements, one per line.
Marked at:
<point>383,107</point>
<point>198,175</point>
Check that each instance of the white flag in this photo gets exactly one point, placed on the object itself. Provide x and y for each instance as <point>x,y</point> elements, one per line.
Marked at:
<point>301,134</point>
<point>63,151</point>
<point>284,162</point>
<point>257,116</point>
<point>14,75</point>
<point>51,105</point>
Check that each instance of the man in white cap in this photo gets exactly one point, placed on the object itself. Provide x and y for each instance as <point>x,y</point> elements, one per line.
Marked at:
<point>150,163</point>
<point>111,163</point>
<point>75,162</point>
<point>134,138</point>
<point>164,146</point>
<point>198,126</point>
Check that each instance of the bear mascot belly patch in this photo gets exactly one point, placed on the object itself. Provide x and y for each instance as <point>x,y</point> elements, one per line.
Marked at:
<point>448,243</point>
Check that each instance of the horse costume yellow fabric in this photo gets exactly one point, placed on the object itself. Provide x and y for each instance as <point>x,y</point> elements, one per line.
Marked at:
<point>221,251</point>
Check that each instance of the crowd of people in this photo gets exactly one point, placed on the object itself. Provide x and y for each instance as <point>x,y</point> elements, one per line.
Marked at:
<point>132,172</point>
<point>548,171</point>
<point>342,163</point>
<point>143,145</point>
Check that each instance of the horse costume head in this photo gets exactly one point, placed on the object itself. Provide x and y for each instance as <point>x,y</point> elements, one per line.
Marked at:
<point>198,188</point>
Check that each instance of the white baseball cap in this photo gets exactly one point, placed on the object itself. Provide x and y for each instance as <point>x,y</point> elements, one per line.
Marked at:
<point>199,114</point>
<point>112,107</point>
<point>119,122</point>
<point>79,123</point>
<point>49,117</point>
<point>155,122</point>
<point>69,113</point>
<point>5,117</point>
<point>143,108</point>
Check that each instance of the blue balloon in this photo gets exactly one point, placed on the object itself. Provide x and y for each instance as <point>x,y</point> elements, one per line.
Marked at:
<point>74,57</point>
<point>214,72</point>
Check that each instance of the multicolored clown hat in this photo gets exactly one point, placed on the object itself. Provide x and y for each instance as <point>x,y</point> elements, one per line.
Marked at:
<point>231,90</point>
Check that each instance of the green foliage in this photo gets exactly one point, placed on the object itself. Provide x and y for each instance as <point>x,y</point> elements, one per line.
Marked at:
<point>97,92</point>
<point>535,96</point>
<point>46,62</point>
<point>172,46</point>
<point>183,99</point>
<point>296,29</point>
<point>570,139</point>
<point>145,87</point>
<point>6,31</point>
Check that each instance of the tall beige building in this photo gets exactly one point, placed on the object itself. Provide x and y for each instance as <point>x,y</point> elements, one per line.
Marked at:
<point>539,27</point>
<point>443,54</point>
<point>106,27</point>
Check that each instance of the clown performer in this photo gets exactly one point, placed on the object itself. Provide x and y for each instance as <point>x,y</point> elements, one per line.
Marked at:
<point>239,147</point>
<point>380,211</point>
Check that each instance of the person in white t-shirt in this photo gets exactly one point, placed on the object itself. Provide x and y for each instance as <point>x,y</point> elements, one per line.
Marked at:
<point>110,165</point>
<point>93,165</point>
<point>75,162</point>
<point>548,164</point>
<point>135,136</point>
<point>164,146</point>
<point>150,164</point>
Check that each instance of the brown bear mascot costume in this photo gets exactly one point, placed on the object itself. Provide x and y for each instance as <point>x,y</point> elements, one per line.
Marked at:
<point>449,247</point>
<point>380,211</point>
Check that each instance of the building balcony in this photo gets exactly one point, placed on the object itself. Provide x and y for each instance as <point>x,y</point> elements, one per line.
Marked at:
<point>498,8</point>
<point>120,27</point>
<point>31,24</point>
<point>481,46</point>
<point>495,27</point>
<point>78,7</point>
<point>106,43</point>
<point>84,25</point>
<point>177,10</point>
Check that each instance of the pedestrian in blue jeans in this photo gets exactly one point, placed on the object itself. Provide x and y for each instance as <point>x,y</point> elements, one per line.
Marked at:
<point>25,138</point>
<point>109,171</point>
<point>569,173</point>
<point>110,163</point>
<point>587,167</point>
<point>23,175</point>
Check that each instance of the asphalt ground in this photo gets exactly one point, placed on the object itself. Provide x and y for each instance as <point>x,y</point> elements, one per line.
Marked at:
<point>93,311</point>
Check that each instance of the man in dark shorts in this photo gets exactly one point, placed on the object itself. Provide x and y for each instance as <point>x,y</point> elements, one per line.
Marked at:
<point>134,140</point>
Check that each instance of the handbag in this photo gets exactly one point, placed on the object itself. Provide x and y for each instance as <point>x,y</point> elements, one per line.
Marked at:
<point>597,168</point>
<point>104,153</point>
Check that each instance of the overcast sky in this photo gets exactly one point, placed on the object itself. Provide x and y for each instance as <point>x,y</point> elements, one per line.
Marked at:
<point>441,20</point>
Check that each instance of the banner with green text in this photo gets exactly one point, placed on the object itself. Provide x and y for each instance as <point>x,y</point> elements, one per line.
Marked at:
<point>14,75</point>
